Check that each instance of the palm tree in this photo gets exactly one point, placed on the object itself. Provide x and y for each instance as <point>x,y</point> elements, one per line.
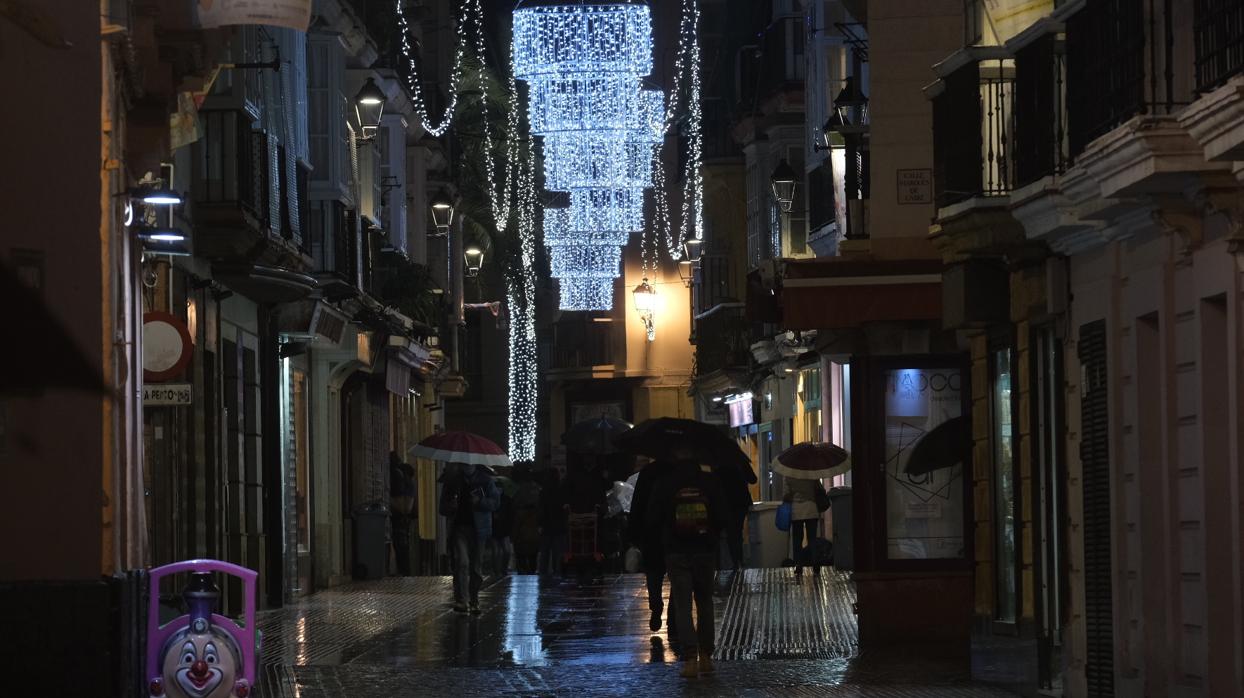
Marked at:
<point>497,198</point>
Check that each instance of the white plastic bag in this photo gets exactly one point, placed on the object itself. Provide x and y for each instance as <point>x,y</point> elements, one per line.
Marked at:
<point>633,559</point>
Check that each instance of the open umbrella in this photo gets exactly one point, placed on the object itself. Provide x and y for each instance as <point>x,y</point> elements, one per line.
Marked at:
<point>812,460</point>
<point>595,436</point>
<point>946,445</point>
<point>664,437</point>
<point>460,447</point>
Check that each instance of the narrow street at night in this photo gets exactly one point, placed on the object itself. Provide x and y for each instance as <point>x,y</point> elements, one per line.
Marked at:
<point>576,348</point>
<point>543,637</point>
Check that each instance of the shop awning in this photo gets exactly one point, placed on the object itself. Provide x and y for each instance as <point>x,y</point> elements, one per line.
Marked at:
<point>837,293</point>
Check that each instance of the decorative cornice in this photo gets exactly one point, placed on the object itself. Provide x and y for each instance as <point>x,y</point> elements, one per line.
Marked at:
<point>1216,121</point>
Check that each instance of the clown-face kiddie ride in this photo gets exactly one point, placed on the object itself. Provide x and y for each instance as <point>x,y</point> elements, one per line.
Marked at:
<point>202,654</point>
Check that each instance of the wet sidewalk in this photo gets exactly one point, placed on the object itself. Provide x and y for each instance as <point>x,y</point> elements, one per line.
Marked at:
<point>399,637</point>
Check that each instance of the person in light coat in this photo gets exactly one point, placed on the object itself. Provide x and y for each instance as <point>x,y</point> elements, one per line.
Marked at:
<point>803,518</point>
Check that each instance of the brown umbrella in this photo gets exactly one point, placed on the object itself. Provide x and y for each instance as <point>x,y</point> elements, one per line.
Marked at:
<point>812,460</point>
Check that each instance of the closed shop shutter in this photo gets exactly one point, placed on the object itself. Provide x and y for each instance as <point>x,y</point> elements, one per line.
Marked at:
<point>1095,457</point>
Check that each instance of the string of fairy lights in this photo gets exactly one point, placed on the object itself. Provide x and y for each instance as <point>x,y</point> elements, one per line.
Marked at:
<point>601,133</point>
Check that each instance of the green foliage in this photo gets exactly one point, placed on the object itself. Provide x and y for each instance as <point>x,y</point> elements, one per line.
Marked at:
<point>409,287</point>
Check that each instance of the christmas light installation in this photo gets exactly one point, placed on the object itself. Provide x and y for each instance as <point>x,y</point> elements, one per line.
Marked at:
<point>585,65</point>
<point>578,39</point>
<point>416,85</point>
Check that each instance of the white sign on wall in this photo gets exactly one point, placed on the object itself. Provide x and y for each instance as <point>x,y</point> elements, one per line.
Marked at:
<point>294,14</point>
<point>167,394</point>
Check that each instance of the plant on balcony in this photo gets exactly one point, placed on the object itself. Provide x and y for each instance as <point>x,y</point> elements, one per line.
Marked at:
<point>409,287</point>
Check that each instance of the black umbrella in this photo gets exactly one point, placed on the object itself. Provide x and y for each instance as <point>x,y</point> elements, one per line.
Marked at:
<point>948,444</point>
<point>665,437</point>
<point>595,436</point>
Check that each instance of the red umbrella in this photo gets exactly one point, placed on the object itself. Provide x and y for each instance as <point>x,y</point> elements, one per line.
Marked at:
<point>460,447</point>
<point>812,460</point>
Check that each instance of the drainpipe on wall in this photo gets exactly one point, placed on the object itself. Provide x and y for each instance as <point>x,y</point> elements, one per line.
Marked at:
<point>457,313</point>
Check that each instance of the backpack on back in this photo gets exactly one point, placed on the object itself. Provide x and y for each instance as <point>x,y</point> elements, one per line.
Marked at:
<point>691,519</point>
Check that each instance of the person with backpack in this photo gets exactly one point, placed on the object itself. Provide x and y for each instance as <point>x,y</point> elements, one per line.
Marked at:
<point>401,509</point>
<point>690,510</point>
<point>468,499</point>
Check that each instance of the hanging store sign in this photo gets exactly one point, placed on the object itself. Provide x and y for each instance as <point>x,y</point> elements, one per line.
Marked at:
<point>167,347</point>
<point>167,394</point>
<point>294,14</point>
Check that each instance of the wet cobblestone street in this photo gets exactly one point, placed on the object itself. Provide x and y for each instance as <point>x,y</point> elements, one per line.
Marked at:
<point>399,637</point>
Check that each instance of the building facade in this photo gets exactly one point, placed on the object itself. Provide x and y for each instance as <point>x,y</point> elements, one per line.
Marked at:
<point>1107,542</point>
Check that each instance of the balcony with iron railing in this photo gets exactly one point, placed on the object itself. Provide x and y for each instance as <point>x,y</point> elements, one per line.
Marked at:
<point>776,66</point>
<point>230,184</point>
<point>1219,41</point>
<point>727,334</point>
<point>973,129</point>
<point>582,342</point>
<point>1042,147</point>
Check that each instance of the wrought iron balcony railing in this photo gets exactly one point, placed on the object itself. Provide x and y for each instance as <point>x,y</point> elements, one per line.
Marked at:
<point>973,131</point>
<point>1219,39</point>
<point>1041,145</point>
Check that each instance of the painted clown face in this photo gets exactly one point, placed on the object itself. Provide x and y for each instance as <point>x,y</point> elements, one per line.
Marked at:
<point>200,665</point>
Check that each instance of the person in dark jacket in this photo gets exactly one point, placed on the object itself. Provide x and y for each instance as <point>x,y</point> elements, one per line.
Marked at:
<point>648,539</point>
<point>553,512</point>
<point>738,503</point>
<point>402,490</point>
<point>468,499</point>
<point>690,510</point>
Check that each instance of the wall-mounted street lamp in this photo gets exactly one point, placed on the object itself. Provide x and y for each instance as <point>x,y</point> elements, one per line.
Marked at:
<point>851,108</point>
<point>826,139</point>
<point>686,272</point>
<point>646,305</point>
<point>442,212</point>
<point>369,107</point>
<point>784,181</point>
<point>474,260</point>
<point>693,249</point>
<point>158,196</point>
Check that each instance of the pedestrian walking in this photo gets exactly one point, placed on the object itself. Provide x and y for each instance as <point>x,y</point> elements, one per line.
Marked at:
<point>738,503</point>
<point>402,490</point>
<point>647,536</point>
<point>526,533</point>
<point>500,548</point>
<point>468,499</point>
<point>553,512</point>
<point>689,508</point>
<point>804,518</point>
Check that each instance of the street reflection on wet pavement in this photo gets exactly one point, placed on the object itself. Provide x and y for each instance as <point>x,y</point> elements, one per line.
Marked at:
<point>539,636</point>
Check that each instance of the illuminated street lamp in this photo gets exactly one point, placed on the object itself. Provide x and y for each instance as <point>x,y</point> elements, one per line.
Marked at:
<point>686,272</point>
<point>646,306</point>
<point>474,260</point>
<point>442,212</point>
<point>783,181</point>
<point>369,106</point>
<point>693,248</point>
